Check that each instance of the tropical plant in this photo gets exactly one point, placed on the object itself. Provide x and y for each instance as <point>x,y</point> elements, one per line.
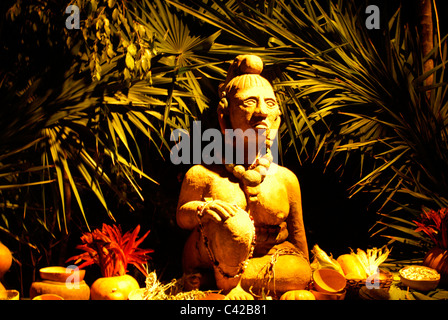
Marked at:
<point>81,109</point>
<point>76,119</point>
<point>355,101</point>
<point>434,224</point>
<point>112,250</point>
<point>136,69</point>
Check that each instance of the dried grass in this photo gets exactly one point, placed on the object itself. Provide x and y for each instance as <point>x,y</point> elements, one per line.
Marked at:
<point>174,290</point>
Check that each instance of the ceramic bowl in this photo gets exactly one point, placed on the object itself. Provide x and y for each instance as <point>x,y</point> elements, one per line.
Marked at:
<point>419,277</point>
<point>328,281</point>
<point>61,274</point>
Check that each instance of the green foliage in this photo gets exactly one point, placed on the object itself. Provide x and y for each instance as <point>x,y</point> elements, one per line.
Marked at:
<point>350,100</point>
<point>78,105</point>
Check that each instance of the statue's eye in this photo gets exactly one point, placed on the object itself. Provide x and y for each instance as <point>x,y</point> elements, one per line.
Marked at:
<point>251,102</point>
<point>271,103</point>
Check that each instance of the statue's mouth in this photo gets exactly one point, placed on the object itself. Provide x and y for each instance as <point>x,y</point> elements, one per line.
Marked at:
<point>261,125</point>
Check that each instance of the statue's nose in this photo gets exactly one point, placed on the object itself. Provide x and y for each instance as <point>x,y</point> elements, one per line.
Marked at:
<point>262,108</point>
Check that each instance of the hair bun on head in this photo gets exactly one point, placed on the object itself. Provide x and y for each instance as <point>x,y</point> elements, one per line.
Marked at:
<point>249,64</point>
<point>242,65</point>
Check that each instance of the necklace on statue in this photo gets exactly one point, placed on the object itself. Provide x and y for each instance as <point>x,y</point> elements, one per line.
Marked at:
<point>253,176</point>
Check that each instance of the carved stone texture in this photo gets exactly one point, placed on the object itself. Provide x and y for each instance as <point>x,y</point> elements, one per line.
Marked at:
<point>246,219</point>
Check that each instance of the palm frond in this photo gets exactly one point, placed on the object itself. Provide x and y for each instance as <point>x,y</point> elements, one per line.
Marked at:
<point>351,98</point>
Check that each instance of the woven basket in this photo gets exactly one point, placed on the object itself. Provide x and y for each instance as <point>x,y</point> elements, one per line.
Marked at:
<point>385,282</point>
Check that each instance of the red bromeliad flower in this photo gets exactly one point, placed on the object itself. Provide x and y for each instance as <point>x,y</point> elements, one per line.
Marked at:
<point>435,225</point>
<point>112,251</point>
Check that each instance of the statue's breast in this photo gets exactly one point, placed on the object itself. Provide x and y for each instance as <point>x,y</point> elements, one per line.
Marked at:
<point>271,206</point>
<point>226,188</point>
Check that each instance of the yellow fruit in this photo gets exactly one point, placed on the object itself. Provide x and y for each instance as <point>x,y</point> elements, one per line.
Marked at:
<point>352,267</point>
<point>113,288</point>
<point>298,295</point>
<point>5,259</point>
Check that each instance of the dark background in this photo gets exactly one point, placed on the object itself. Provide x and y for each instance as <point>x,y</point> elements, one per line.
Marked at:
<point>332,219</point>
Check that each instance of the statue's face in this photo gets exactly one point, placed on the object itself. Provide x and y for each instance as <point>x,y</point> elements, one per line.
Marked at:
<point>255,108</point>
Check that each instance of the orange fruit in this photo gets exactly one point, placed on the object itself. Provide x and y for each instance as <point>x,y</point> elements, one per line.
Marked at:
<point>5,259</point>
<point>113,288</point>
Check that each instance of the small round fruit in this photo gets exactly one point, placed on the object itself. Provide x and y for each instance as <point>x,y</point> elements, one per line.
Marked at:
<point>298,295</point>
<point>113,288</point>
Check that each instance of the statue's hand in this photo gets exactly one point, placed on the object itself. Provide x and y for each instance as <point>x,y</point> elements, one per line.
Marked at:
<point>219,210</point>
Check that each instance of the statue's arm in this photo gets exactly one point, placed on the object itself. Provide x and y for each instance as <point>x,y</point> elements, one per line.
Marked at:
<point>296,228</point>
<point>191,197</point>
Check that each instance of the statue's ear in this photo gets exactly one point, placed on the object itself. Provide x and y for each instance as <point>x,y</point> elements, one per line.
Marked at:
<point>223,115</point>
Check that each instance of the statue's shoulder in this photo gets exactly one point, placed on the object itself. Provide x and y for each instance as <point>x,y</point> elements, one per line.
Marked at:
<point>285,174</point>
<point>203,172</point>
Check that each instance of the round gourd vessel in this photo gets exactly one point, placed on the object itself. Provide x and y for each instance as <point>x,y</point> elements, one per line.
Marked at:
<point>113,288</point>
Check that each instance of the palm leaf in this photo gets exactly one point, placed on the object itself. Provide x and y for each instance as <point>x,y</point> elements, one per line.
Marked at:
<point>350,96</point>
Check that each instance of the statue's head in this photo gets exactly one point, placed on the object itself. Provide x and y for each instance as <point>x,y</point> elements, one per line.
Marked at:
<point>248,100</point>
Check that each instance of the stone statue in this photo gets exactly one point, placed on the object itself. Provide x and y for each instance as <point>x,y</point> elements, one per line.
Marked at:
<point>248,235</point>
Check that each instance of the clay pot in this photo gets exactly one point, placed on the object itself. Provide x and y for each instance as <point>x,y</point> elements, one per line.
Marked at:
<point>64,282</point>
<point>437,258</point>
<point>5,259</point>
<point>113,288</point>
